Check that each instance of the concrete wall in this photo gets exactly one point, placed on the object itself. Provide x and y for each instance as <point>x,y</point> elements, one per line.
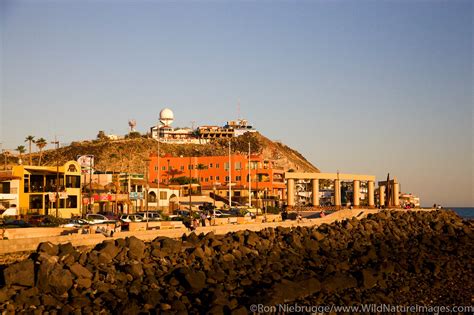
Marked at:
<point>31,244</point>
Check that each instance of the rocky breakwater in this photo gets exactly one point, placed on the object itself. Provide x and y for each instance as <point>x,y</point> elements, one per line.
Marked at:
<point>392,257</point>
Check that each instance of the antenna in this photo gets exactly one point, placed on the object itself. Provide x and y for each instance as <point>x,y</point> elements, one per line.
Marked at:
<point>193,122</point>
<point>238,109</point>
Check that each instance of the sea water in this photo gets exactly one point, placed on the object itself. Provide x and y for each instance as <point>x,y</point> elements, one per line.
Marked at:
<point>464,212</point>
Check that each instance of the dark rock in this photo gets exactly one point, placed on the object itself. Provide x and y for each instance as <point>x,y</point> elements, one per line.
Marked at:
<point>136,248</point>
<point>338,282</point>
<point>287,291</point>
<point>80,272</point>
<point>48,248</point>
<point>21,273</point>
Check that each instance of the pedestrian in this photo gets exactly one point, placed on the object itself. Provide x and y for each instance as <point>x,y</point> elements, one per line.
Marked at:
<point>209,218</point>
<point>203,219</point>
<point>195,224</point>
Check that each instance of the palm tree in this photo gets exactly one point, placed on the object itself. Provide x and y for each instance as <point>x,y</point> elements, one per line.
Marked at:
<point>200,167</point>
<point>30,139</point>
<point>173,172</point>
<point>41,143</point>
<point>21,149</point>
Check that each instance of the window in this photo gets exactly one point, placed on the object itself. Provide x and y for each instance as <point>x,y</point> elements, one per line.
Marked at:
<point>5,188</point>
<point>163,195</point>
<point>163,168</point>
<point>206,179</point>
<point>217,165</point>
<point>71,202</point>
<point>73,182</point>
<point>152,196</point>
<point>26,183</point>
<point>217,178</point>
<point>181,167</point>
<point>190,167</point>
<point>227,178</point>
<point>226,166</point>
<point>238,178</point>
<point>36,202</point>
<point>211,178</point>
<point>210,165</point>
<point>156,168</point>
<point>238,166</point>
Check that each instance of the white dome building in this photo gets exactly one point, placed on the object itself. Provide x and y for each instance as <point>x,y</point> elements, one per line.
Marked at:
<point>166,116</point>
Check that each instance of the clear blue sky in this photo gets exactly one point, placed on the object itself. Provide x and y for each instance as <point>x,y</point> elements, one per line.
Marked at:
<point>357,86</point>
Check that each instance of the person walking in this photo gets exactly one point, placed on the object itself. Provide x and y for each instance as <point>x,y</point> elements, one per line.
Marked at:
<point>203,219</point>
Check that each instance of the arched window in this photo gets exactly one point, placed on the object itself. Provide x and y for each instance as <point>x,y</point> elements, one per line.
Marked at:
<point>152,196</point>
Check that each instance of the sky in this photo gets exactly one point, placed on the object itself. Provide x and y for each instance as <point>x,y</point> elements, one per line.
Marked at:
<point>363,87</point>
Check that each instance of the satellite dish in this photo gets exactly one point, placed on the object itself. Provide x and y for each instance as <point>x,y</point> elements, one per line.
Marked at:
<point>132,123</point>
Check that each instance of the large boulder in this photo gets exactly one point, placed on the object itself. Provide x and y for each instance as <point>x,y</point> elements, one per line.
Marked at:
<point>21,273</point>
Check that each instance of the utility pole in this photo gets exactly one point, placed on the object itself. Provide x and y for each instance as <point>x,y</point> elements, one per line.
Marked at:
<point>146,190</point>
<point>230,180</point>
<point>90,182</point>
<point>158,166</point>
<point>56,142</point>
<point>250,182</point>
<point>190,188</point>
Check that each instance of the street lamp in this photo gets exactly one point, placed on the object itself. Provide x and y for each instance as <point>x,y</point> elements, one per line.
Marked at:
<point>146,190</point>
<point>56,142</point>
<point>189,189</point>
<point>158,166</point>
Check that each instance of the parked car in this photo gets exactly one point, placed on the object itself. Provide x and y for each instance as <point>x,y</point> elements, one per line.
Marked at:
<point>241,212</point>
<point>152,216</point>
<point>97,219</point>
<point>127,218</point>
<point>220,214</point>
<point>110,215</point>
<point>76,223</point>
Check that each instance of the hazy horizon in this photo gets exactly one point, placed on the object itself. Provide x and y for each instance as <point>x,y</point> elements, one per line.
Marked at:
<point>360,87</point>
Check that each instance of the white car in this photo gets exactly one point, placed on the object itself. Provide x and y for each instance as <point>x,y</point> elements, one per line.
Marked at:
<point>220,214</point>
<point>76,223</point>
<point>97,218</point>
<point>152,216</point>
<point>131,218</point>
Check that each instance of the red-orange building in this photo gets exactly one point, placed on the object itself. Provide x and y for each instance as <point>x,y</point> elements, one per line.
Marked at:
<point>213,175</point>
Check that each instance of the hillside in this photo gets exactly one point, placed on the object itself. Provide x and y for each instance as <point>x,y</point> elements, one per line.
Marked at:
<point>129,155</point>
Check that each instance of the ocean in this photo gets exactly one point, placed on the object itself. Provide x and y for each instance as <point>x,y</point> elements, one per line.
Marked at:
<point>465,212</point>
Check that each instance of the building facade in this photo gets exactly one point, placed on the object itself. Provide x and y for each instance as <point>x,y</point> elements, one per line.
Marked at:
<point>38,187</point>
<point>214,174</point>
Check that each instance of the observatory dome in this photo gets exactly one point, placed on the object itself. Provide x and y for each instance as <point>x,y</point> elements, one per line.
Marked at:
<point>166,116</point>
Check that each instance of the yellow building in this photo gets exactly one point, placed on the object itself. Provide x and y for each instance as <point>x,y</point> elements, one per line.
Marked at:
<point>38,189</point>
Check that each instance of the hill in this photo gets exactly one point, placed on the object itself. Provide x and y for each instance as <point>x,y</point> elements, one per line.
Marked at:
<point>129,155</point>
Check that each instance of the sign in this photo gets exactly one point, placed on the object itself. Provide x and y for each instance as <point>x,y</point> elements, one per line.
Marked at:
<point>86,162</point>
<point>134,195</point>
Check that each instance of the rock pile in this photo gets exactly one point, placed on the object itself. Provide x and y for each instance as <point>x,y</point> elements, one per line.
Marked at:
<point>392,257</point>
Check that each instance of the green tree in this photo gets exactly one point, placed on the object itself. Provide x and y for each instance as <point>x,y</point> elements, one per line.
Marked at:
<point>173,172</point>
<point>183,180</point>
<point>200,167</point>
<point>30,140</point>
<point>21,149</point>
<point>41,143</point>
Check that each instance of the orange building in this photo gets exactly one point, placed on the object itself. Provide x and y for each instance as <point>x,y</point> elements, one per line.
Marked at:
<point>213,175</point>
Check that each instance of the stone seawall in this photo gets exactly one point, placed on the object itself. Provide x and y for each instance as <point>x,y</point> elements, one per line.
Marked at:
<point>403,258</point>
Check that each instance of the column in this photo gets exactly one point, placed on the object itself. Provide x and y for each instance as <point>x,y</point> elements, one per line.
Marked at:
<point>356,193</point>
<point>382,195</point>
<point>315,186</point>
<point>396,193</point>
<point>290,191</point>
<point>370,188</point>
<point>337,193</point>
